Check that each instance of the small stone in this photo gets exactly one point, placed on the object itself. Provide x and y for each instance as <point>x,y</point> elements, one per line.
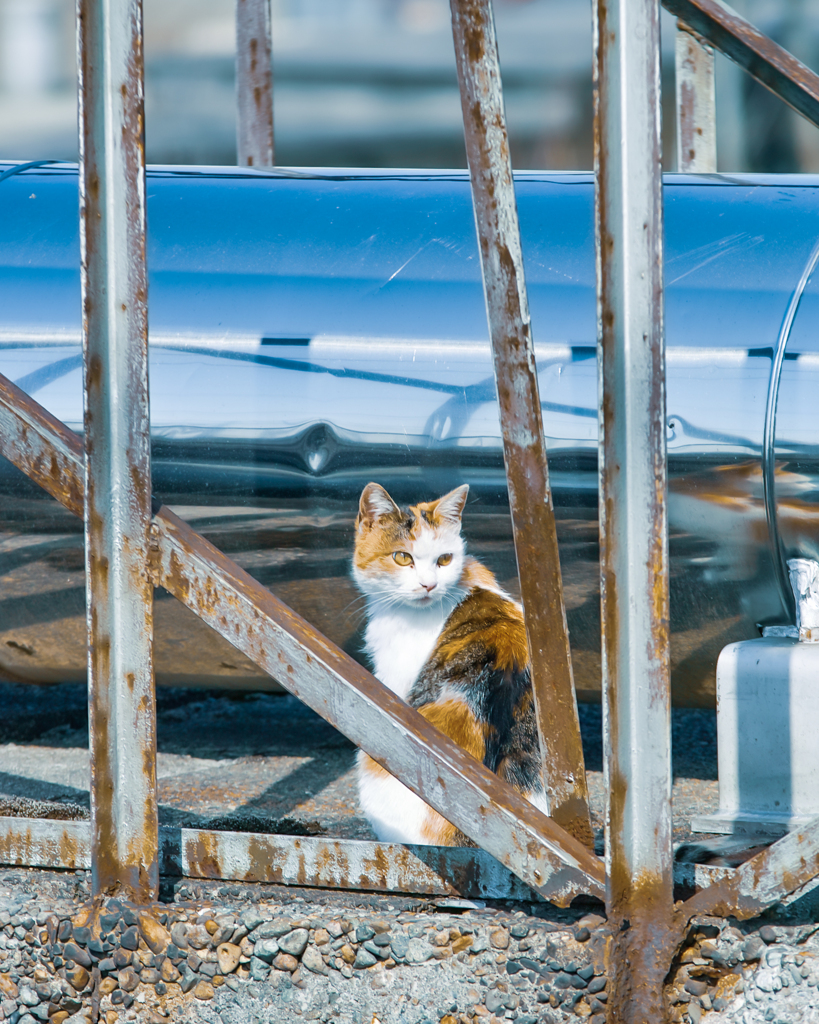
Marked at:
<point>259,970</point>
<point>364,959</point>
<point>82,935</point>
<point>347,953</point>
<point>179,932</point>
<point>64,931</point>
<point>59,1017</point>
<point>582,935</point>
<point>767,934</point>
<point>752,949</point>
<point>586,973</point>
<point>188,980</point>
<point>364,932</point>
<point>311,959</point>
<point>765,980</point>
<point>128,979</point>
<point>29,998</point>
<point>107,965</point>
<point>694,1013</point>
<point>156,937</point>
<point>519,931</point>
<point>399,944</point>
<point>121,958</point>
<point>265,949</point>
<point>696,988</point>
<point>251,919</point>
<point>597,984</point>
<point>439,939</point>
<point>149,976</point>
<point>194,961</point>
<point>78,978</point>
<point>499,938</point>
<point>322,936</point>
<point>381,939</point>
<point>198,936</point>
<point>211,927</point>
<point>203,990</point>
<point>285,962</point>
<point>8,989</point>
<point>418,951</point>
<point>459,945</point>
<point>168,971</point>
<point>129,938</point>
<point>108,922</point>
<point>107,986</point>
<point>76,953</point>
<point>294,942</point>
<point>228,956</point>
<point>495,1000</point>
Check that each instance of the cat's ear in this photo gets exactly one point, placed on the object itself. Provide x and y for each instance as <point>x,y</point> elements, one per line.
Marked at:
<point>451,506</point>
<point>375,503</point>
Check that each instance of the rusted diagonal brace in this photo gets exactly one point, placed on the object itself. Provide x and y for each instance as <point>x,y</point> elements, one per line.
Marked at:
<point>760,56</point>
<point>763,881</point>
<point>282,643</point>
<point>524,442</point>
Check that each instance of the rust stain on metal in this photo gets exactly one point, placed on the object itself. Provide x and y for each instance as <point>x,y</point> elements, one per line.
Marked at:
<point>254,84</point>
<point>533,518</point>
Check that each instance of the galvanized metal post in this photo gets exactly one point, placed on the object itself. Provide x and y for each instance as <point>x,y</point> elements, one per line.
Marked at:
<point>124,841</point>
<point>254,84</point>
<point>524,445</point>
<point>633,520</point>
<point>696,103</point>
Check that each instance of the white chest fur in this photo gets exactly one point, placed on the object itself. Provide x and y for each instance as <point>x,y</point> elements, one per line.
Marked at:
<point>400,641</point>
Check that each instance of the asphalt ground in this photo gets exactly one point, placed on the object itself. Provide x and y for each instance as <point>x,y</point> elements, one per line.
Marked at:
<point>265,762</point>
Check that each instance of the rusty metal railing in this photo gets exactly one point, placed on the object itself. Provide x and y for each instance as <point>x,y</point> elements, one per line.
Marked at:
<point>133,546</point>
<point>702,27</point>
<point>254,84</point>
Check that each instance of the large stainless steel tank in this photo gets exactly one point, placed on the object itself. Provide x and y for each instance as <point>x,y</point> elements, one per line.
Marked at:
<point>313,331</point>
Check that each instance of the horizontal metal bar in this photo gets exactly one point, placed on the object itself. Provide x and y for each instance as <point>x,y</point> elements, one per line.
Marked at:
<point>760,56</point>
<point>475,800</point>
<point>283,860</point>
<point>338,688</point>
<point>763,881</point>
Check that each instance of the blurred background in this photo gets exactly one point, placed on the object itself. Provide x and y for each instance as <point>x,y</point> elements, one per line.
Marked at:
<point>371,83</point>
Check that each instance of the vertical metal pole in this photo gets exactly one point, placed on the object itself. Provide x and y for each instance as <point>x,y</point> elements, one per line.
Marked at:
<point>633,522</point>
<point>524,446</point>
<point>254,84</point>
<point>124,840</point>
<point>696,103</point>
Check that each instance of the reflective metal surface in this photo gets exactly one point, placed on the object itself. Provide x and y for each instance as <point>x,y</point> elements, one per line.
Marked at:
<point>311,333</point>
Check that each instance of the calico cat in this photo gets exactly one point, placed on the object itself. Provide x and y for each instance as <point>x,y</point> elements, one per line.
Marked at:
<point>444,636</point>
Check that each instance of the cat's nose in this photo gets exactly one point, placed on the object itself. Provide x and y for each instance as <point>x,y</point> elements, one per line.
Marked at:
<point>429,587</point>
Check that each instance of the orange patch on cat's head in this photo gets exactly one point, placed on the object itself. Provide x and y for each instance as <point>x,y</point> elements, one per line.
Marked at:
<point>381,527</point>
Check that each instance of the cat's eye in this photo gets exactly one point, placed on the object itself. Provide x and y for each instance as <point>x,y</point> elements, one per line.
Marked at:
<point>444,559</point>
<point>402,557</point>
